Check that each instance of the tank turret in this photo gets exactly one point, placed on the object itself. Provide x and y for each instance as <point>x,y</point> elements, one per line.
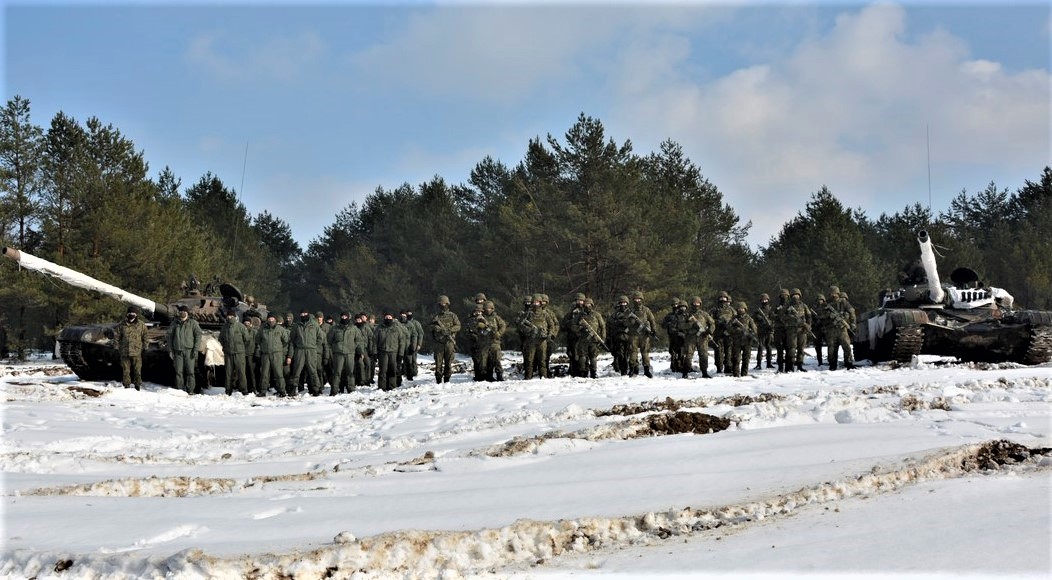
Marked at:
<point>964,319</point>
<point>89,349</point>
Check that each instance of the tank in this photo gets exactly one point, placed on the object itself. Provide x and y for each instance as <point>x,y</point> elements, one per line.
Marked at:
<point>91,352</point>
<point>963,319</point>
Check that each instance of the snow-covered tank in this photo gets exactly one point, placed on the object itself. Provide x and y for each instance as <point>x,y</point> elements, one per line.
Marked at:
<point>964,319</point>
<point>90,350</point>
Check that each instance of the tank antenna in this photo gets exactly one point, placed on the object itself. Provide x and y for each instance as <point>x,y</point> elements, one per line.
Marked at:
<point>927,139</point>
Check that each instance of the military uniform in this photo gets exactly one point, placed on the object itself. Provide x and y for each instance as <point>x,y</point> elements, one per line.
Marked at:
<point>590,329</point>
<point>534,327</point>
<point>643,329</point>
<point>763,317</point>
<point>344,345</point>
<point>391,341</point>
<point>677,338</point>
<point>306,343</point>
<point>617,337</point>
<point>553,332</point>
<point>722,314</point>
<point>416,340</point>
<point>840,324</point>
<point>781,341</point>
<point>235,340</point>
<point>795,319</point>
<point>444,327</point>
<point>184,339</point>
<point>566,325</point>
<point>252,354</point>
<point>699,334</point>
<point>272,343</point>
<point>130,336</point>
<point>476,330</point>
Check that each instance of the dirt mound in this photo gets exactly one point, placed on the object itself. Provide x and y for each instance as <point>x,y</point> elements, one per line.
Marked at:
<point>994,454</point>
<point>685,422</point>
<point>670,404</point>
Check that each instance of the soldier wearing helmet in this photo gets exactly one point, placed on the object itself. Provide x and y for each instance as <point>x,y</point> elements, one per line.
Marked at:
<point>780,340</point>
<point>742,332</point>
<point>444,328</point>
<point>544,364</point>
<point>674,327</point>
<point>591,333</point>
<point>762,316</point>
<point>722,313</point>
<point>819,320</point>
<point>534,328</point>
<point>796,331</point>
<point>643,329</point>
<point>840,325</point>
<point>567,325</point>
<point>492,355</point>
<point>617,337</point>
<point>699,334</point>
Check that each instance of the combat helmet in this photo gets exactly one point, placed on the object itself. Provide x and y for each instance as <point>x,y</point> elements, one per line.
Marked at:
<point>637,295</point>
<point>696,300</point>
<point>443,300</point>
<point>480,297</point>
<point>741,307</point>
<point>579,297</point>
<point>489,305</point>
<point>764,296</point>
<point>723,296</point>
<point>622,298</point>
<point>820,298</point>
<point>796,292</point>
<point>834,292</point>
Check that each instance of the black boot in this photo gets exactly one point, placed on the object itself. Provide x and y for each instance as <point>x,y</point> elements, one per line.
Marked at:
<point>647,373</point>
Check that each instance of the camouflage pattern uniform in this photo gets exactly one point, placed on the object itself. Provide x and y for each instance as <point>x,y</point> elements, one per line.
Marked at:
<point>130,336</point>
<point>672,323</point>
<point>553,332</point>
<point>762,316</point>
<point>722,314</point>
<point>618,338</point>
<point>534,326</point>
<point>474,329</point>
<point>781,341</point>
<point>590,329</point>
<point>643,329</point>
<point>364,363</point>
<point>444,328</point>
<point>702,326</point>
<point>492,354</point>
<point>841,323</point>
<point>252,356</point>
<point>567,326</point>
<point>742,331</point>
<point>795,319</point>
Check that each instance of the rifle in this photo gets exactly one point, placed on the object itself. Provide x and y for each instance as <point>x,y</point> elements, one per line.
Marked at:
<point>533,327</point>
<point>701,327</point>
<point>593,333</point>
<point>766,319</point>
<point>753,339</point>
<point>644,326</point>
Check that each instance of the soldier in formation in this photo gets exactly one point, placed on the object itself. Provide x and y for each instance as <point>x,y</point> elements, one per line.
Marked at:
<point>722,314</point>
<point>674,326</point>
<point>534,329</point>
<point>699,334</point>
<point>764,330</point>
<point>742,333</point>
<point>643,328</point>
<point>566,324</point>
<point>236,341</point>
<point>839,325</point>
<point>345,346</point>
<point>130,336</point>
<point>590,329</point>
<point>391,341</point>
<point>272,344</point>
<point>444,327</point>
<point>416,340</point>
<point>184,339</point>
<point>619,325</point>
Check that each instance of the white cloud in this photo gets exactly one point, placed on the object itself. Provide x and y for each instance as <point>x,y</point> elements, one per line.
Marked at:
<point>282,58</point>
<point>848,109</point>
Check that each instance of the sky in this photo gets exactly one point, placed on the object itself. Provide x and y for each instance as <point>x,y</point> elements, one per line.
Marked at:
<point>305,109</point>
<point>844,474</point>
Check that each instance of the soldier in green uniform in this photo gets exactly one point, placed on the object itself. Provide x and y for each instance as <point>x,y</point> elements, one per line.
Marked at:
<point>184,339</point>
<point>343,342</point>
<point>475,330</point>
<point>391,340</point>
<point>590,329</point>
<point>364,351</point>
<point>762,316</point>
<point>644,329</point>
<point>742,332</point>
<point>534,327</point>
<point>553,332</point>
<point>416,340</point>
<point>796,328</point>
<point>444,328</point>
<point>272,343</point>
<point>305,344</point>
<point>699,334</point>
<point>672,323</point>
<point>840,323</point>
<point>819,320</point>
<point>722,313</point>
<point>567,326</point>
<point>617,338</point>
<point>235,340</point>
<point>252,354</point>
<point>492,354</point>
<point>781,341</point>
<point>131,339</point>
<point>324,362</point>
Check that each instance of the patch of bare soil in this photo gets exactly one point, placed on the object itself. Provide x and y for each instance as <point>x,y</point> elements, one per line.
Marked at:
<point>670,404</point>
<point>993,455</point>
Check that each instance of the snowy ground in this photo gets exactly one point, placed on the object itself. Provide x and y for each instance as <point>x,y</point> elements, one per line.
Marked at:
<point>912,471</point>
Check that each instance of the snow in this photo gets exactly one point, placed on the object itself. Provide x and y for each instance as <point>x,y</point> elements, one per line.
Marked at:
<point>868,472</point>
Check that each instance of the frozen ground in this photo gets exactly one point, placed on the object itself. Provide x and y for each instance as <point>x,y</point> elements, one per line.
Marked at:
<point>934,469</point>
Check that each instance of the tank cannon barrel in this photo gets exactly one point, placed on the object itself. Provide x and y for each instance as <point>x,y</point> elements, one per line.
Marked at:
<point>79,280</point>
<point>935,292</point>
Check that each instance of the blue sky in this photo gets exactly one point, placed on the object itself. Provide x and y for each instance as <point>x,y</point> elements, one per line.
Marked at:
<point>771,101</point>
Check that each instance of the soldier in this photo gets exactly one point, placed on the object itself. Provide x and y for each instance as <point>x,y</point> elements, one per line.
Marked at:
<point>553,331</point>
<point>391,340</point>
<point>840,327</point>
<point>618,335</point>
<point>781,341</point>
<point>722,314</point>
<point>235,340</point>
<point>184,338</point>
<point>676,338</point>
<point>742,332</point>
<point>700,332</point>
<point>567,326</point>
<point>819,320</point>
<point>590,329</point>
<point>252,355</point>
<point>272,343</point>
<point>305,345</point>
<point>764,330</point>
<point>324,363</point>
<point>534,327</point>
<point>131,339</point>
<point>492,355</point>
<point>343,340</point>
<point>796,329</point>
<point>365,351</point>
<point>444,327</point>
<point>416,340</point>
<point>642,331</point>
<point>476,331</point>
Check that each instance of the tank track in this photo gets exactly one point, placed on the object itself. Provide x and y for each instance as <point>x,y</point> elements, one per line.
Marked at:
<point>1039,350</point>
<point>908,342</point>
<point>73,355</point>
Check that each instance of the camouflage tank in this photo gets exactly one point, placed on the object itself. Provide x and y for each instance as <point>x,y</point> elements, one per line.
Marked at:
<point>91,352</point>
<point>964,319</point>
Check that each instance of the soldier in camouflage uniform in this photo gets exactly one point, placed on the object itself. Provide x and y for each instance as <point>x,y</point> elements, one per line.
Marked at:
<point>722,313</point>
<point>272,343</point>
<point>699,335</point>
<point>131,339</point>
<point>252,355</point>
<point>643,329</point>
<point>840,324</point>
<point>618,325</point>
<point>765,330</point>
<point>781,341</point>
<point>591,333</point>
<point>444,328</point>
<point>534,327</point>
<point>567,326</point>
<point>795,318</point>
<point>553,331</point>
<point>819,320</point>
<point>475,329</point>
<point>492,354</point>
<point>324,362</point>
<point>672,323</point>
<point>742,332</point>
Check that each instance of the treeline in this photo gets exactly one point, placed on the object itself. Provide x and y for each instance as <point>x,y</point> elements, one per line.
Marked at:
<point>583,213</point>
